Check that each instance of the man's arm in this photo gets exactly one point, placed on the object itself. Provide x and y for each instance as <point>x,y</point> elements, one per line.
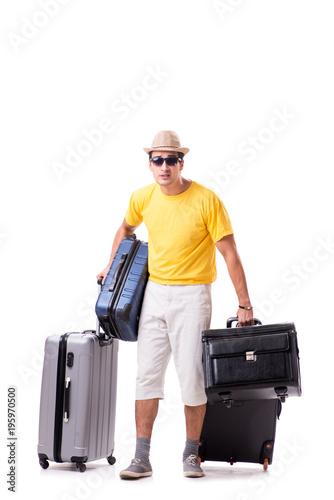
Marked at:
<point>227,247</point>
<point>124,230</point>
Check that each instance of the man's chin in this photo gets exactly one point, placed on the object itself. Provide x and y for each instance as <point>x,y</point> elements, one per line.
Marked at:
<point>164,182</point>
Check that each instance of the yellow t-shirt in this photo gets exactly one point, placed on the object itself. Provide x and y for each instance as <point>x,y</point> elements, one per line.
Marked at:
<point>182,232</point>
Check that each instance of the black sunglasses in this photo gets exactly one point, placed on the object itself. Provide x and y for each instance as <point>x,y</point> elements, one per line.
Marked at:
<point>171,161</point>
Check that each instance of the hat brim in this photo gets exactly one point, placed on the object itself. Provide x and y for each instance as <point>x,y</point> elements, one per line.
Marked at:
<point>167,149</point>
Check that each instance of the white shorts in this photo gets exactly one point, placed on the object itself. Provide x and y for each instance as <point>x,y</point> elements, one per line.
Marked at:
<point>171,322</point>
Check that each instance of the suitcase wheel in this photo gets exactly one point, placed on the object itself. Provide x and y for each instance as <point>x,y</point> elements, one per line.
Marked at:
<point>265,464</point>
<point>111,460</point>
<point>81,466</point>
<point>44,463</point>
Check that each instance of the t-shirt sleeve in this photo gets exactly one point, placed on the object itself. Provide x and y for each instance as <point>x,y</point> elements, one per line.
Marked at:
<point>133,214</point>
<point>218,221</point>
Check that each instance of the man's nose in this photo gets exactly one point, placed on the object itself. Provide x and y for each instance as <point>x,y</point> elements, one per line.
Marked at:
<point>164,166</point>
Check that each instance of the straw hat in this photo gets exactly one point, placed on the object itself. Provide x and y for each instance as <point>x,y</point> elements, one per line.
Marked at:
<point>166,140</point>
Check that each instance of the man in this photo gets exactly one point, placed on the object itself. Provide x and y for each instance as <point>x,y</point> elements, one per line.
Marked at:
<point>186,222</point>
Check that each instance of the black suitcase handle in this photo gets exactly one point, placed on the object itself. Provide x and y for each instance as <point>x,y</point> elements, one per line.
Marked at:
<point>67,400</point>
<point>118,272</point>
<point>235,318</point>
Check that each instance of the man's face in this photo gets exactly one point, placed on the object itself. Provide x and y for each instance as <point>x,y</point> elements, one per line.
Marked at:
<point>166,175</point>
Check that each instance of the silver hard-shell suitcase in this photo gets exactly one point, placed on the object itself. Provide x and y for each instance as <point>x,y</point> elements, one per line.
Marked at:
<point>78,399</point>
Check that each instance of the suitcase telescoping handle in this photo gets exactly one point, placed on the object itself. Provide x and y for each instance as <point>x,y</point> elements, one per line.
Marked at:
<point>104,339</point>
<point>235,318</point>
<point>99,287</point>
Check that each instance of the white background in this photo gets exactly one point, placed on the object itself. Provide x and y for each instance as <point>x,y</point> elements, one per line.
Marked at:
<point>222,74</point>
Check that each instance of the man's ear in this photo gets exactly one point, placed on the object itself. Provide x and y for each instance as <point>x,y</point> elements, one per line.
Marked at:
<point>182,165</point>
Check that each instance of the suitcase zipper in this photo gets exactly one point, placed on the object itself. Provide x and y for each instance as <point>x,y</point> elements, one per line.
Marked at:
<point>123,276</point>
<point>60,391</point>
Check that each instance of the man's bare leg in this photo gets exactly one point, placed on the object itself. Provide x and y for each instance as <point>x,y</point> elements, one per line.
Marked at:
<point>146,412</point>
<point>194,423</point>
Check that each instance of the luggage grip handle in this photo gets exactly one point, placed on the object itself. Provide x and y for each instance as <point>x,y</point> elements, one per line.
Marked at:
<point>104,339</point>
<point>117,272</point>
<point>235,318</point>
<point>67,400</point>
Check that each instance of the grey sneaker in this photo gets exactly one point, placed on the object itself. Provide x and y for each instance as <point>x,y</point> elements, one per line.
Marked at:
<point>138,468</point>
<point>191,467</point>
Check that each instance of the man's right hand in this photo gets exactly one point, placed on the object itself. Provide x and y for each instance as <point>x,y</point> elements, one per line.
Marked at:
<point>124,230</point>
<point>103,274</point>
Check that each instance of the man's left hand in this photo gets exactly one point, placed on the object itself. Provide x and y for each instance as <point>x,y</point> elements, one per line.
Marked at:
<point>245,317</point>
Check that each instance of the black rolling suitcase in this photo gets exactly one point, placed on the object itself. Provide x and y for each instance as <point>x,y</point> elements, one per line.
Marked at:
<point>243,431</point>
<point>248,373</point>
<point>119,303</point>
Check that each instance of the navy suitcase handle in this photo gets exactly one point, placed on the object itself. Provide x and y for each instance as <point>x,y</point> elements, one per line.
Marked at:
<point>235,318</point>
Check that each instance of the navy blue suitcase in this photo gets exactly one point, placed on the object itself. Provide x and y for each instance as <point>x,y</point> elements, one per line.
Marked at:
<point>119,303</point>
